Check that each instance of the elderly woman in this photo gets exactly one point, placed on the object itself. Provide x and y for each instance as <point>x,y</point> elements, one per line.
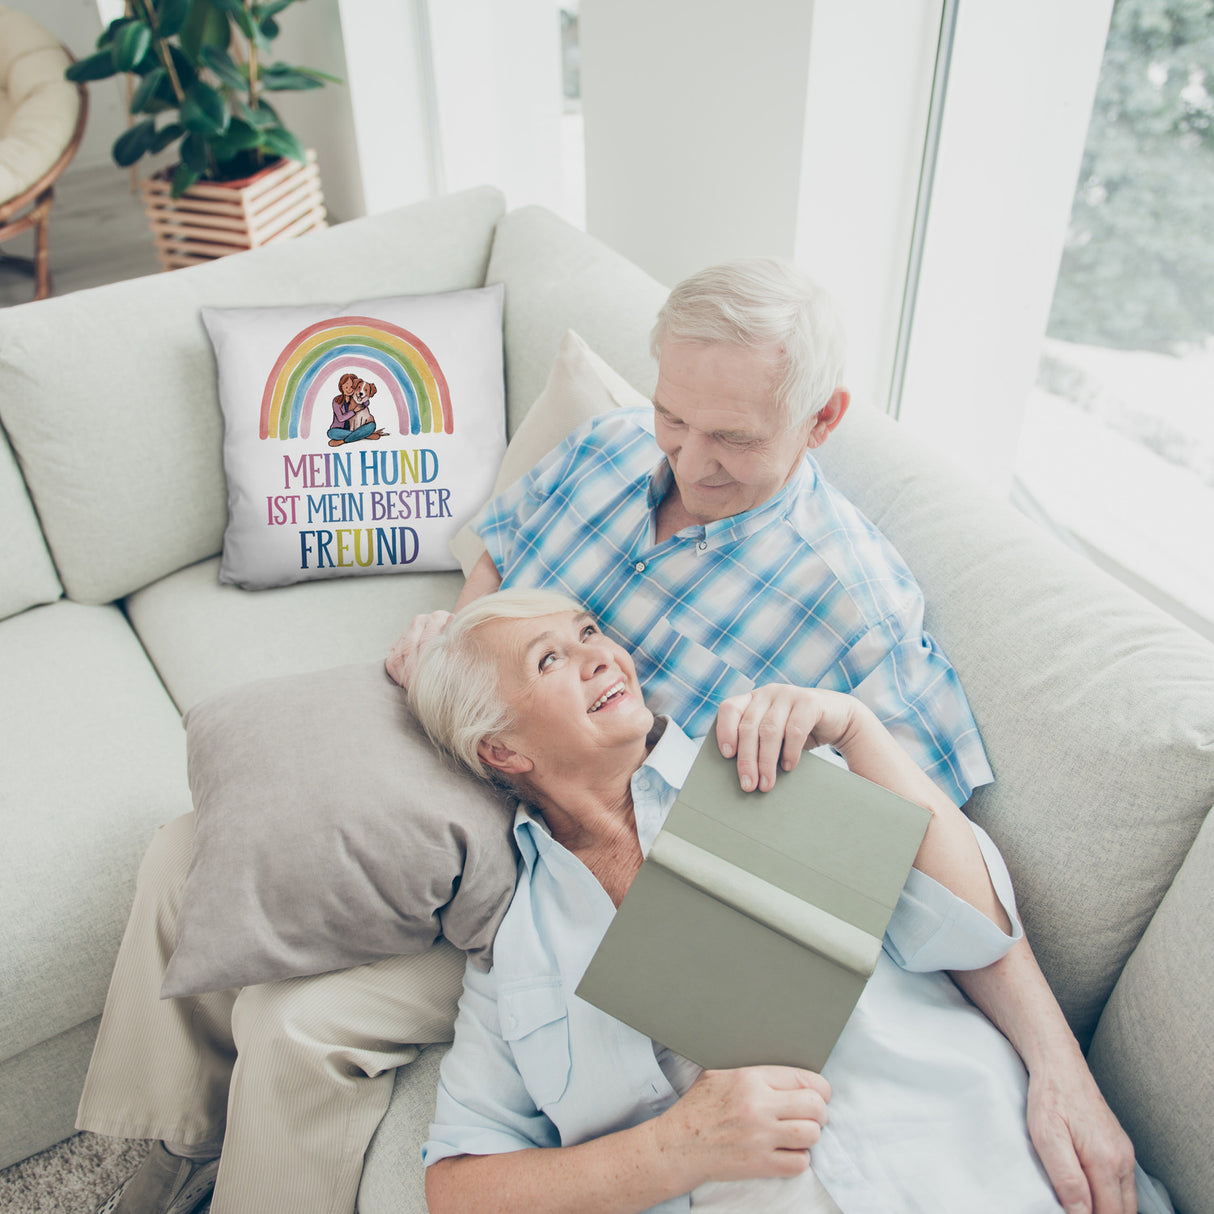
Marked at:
<point>547,1103</point>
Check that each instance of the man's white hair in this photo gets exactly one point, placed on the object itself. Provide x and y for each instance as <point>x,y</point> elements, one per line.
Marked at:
<point>763,303</point>
<point>455,692</point>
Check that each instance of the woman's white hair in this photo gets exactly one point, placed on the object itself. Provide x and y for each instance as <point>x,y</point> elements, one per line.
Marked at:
<point>763,303</point>
<point>454,691</point>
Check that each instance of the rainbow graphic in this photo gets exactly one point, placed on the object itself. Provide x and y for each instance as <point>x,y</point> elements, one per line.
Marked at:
<point>391,357</point>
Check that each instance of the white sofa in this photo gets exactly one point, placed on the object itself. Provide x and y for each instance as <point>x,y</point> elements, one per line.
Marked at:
<point>1097,711</point>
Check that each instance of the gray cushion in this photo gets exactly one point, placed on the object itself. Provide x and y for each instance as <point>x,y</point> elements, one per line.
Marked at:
<point>557,278</point>
<point>1095,708</point>
<point>93,760</point>
<point>330,833</point>
<point>29,575</point>
<point>205,637</point>
<point>139,491</point>
<point>1153,1053</point>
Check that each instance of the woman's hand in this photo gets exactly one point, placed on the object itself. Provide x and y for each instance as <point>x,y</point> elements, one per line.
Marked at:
<point>750,1122</point>
<point>772,725</point>
<point>401,661</point>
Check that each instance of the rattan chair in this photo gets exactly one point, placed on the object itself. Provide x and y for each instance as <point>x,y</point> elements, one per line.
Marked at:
<point>42,118</point>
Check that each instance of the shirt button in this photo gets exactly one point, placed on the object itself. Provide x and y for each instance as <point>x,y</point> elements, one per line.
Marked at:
<point>702,545</point>
<point>639,566</point>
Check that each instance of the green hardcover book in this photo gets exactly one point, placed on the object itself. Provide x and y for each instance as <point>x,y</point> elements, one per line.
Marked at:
<point>757,918</point>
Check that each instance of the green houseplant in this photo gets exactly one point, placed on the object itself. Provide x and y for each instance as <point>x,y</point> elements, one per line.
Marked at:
<point>201,71</point>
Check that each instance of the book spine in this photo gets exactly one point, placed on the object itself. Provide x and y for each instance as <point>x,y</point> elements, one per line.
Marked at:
<point>802,922</point>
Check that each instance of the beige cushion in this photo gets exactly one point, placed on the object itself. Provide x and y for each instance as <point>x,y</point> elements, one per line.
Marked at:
<point>204,637</point>
<point>29,575</point>
<point>580,386</point>
<point>329,832</point>
<point>1153,1053</point>
<point>557,279</point>
<point>1096,709</point>
<point>39,107</point>
<point>93,760</point>
<point>139,491</point>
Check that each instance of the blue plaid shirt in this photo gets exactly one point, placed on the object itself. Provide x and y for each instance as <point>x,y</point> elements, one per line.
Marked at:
<point>802,589</point>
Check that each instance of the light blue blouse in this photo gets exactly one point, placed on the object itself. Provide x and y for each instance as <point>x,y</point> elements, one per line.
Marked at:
<point>928,1104</point>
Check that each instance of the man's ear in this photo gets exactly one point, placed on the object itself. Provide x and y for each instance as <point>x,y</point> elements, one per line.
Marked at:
<point>829,416</point>
<point>495,754</point>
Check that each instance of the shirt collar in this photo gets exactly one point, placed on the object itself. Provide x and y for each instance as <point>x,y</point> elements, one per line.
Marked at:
<point>655,785</point>
<point>737,526</point>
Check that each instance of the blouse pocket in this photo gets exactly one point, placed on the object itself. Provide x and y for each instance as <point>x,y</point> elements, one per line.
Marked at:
<point>535,1023</point>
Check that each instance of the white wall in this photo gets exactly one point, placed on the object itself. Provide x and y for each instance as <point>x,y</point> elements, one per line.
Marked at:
<point>694,127</point>
<point>497,68</point>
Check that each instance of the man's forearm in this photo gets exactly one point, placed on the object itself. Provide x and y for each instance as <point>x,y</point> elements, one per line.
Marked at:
<point>484,579</point>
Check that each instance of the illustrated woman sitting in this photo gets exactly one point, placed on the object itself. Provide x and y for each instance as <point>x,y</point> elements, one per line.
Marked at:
<point>547,1103</point>
<point>352,420</point>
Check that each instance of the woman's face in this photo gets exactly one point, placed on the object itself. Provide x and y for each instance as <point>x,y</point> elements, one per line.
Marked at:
<point>573,692</point>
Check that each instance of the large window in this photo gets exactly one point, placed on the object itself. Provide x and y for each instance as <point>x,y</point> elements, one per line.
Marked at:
<point>1117,444</point>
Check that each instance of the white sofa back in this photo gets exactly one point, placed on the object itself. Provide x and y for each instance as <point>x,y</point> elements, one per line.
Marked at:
<point>110,400</point>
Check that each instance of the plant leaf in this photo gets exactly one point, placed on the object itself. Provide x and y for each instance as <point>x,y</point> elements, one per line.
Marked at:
<point>280,77</point>
<point>281,142</point>
<point>145,95</point>
<point>205,26</point>
<point>262,118</point>
<point>270,9</point>
<point>171,16</point>
<point>94,67</point>
<point>132,144</point>
<point>130,45</point>
<point>166,135</point>
<point>183,178</point>
<point>241,137</point>
<point>204,112</point>
<point>225,67</point>
<point>106,38</point>
<point>194,153</point>
<point>269,30</point>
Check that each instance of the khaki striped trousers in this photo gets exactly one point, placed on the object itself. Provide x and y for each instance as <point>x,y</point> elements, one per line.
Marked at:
<point>293,1076</point>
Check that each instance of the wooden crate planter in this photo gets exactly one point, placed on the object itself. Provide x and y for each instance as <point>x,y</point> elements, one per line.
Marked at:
<point>215,218</point>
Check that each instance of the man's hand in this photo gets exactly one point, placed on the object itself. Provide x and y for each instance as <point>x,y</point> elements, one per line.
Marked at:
<point>770,727</point>
<point>737,1124</point>
<point>1087,1155</point>
<point>400,662</point>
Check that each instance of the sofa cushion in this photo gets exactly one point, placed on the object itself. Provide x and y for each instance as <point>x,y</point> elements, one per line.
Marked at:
<point>29,577</point>
<point>204,637</point>
<point>93,760</point>
<point>1097,711</point>
<point>307,482</point>
<point>580,386</point>
<point>1152,1054</point>
<point>328,833</point>
<point>558,278</point>
<point>138,491</point>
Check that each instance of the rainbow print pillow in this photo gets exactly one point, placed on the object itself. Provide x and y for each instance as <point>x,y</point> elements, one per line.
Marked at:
<point>358,439</point>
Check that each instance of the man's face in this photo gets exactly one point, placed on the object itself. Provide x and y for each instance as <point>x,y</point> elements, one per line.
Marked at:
<point>716,419</point>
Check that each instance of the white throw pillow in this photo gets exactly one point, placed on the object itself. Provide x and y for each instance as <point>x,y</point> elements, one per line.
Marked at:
<point>358,439</point>
<point>580,386</point>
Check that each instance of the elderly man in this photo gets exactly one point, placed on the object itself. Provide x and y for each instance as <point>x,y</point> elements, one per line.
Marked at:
<point>705,539</point>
